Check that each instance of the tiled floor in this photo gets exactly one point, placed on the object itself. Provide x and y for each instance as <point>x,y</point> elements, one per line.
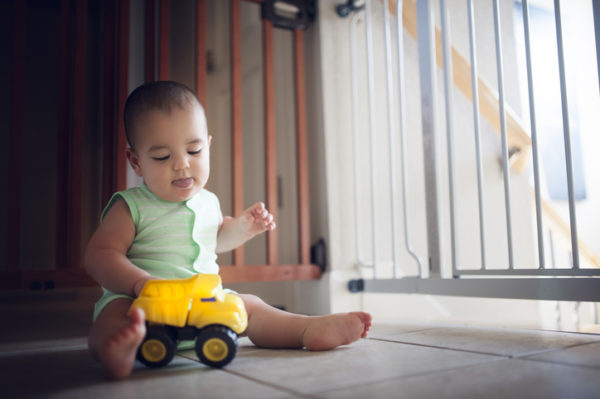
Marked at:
<point>401,360</point>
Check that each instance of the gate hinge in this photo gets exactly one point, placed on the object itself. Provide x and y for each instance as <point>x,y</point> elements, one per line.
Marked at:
<point>289,14</point>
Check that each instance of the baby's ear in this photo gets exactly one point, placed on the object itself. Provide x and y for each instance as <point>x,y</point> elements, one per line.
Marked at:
<point>134,161</point>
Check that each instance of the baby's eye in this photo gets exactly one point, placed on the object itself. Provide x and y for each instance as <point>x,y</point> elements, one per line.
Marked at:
<point>161,158</point>
<point>195,152</point>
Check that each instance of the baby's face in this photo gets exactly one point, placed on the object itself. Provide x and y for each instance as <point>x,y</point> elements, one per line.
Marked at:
<point>172,153</point>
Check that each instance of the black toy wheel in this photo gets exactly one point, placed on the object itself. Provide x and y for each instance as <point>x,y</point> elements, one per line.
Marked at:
<point>216,346</point>
<point>157,348</point>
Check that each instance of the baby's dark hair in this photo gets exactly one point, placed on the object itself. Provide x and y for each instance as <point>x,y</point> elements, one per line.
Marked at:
<point>160,95</point>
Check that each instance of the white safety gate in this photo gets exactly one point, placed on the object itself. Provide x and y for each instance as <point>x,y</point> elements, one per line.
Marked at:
<point>440,272</point>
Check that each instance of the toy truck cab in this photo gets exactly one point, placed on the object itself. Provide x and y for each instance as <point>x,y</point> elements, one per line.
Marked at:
<point>190,309</point>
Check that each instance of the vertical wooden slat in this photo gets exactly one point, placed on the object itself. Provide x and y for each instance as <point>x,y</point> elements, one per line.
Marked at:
<point>122,92</point>
<point>62,147</point>
<point>108,164</point>
<point>150,43</point>
<point>16,131</point>
<point>236,116</point>
<point>271,164</point>
<point>303,206</point>
<point>163,41</point>
<point>201,51</point>
<point>76,152</point>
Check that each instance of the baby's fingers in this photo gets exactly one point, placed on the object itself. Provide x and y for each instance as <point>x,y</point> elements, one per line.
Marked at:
<point>264,224</point>
<point>259,211</point>
<point>267,219</point>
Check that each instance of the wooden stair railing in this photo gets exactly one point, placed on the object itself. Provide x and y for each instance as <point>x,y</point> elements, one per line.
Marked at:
<point>557,225</point>
<point>519,142</point>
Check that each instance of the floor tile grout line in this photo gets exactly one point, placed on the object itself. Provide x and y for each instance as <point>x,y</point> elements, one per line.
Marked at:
<point>507,328</point>
<point>412,331</point>
<point>256,380</point>
<point>561,363</point>
<point>421,374</point>
<point>541,352</point>
<point>567,332</point>
<point>509,356</point>
<point>442,347</point>
<point>187,357</point>
<point>269,384</point>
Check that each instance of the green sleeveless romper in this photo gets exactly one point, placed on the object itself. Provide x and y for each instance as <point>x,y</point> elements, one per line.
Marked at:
<point>173,240</point>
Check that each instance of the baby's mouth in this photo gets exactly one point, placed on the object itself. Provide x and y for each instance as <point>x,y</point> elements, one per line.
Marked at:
<point>184,183</point>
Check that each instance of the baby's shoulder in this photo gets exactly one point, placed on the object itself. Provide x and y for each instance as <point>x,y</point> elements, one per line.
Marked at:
<point>129,201</point>
<point>140,192</point>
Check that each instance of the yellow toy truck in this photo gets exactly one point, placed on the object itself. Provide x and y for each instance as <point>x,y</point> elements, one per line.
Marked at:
<point>190,309</point>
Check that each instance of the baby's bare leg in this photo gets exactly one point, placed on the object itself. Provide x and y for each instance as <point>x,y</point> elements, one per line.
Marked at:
<point>115,337</point>
<point>273,328</point>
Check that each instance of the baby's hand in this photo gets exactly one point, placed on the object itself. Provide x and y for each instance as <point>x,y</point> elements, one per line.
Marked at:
<point>257,219</point>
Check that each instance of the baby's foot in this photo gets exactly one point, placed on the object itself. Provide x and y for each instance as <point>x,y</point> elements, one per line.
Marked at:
<point>327,332</point>
<point>117,355</point>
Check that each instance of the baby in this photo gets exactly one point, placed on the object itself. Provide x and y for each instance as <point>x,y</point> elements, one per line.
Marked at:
<point>172,227</point>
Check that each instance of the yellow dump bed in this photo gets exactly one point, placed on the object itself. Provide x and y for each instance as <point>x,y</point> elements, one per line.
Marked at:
<point>168,301</point>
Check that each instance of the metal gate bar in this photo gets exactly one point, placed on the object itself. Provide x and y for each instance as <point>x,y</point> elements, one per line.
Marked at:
<point>477,122</point>
<point>448,96</point>
<point>354,96</point>
<point>534,141</point>
<point>567,135</point>
<point>391,136</point>
<point>429,112</point>
<point>503,140</point>
<point>402,128</point>
<point>371,100</point>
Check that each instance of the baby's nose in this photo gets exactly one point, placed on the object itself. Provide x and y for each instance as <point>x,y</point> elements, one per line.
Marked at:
<point>181,162</point>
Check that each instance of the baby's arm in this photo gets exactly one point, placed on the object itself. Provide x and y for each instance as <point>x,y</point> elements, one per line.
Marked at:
<point>105,258</point>
<point>233,232</point>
